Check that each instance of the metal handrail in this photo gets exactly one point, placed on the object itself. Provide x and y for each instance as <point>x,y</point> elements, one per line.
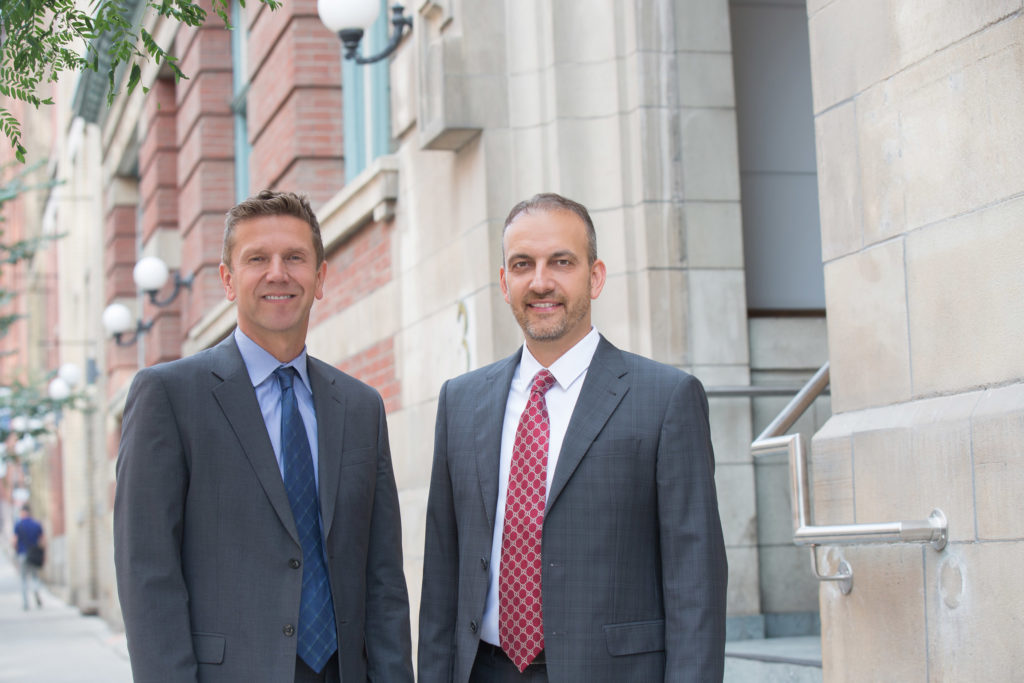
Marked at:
<point>933,530</point>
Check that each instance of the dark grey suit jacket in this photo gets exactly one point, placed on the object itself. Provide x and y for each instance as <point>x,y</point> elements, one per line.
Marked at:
<point>205,546</point>
<point>634,568</point>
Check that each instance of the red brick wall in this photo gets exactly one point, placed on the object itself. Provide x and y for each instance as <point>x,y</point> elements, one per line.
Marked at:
<point>158,195</point>
<point>356,268</point>
<point>206,171</point>
<point>376,366</point>
<point>119,259</point>
<point>294,104</point>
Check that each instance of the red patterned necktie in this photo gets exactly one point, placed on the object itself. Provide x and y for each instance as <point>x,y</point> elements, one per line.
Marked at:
<point>520,624</point>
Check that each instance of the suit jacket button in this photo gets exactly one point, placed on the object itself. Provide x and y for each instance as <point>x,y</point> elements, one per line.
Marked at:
<point>483,563</point>
<point>288,630</point>
<point>473,626</point>
<point>294,564</point>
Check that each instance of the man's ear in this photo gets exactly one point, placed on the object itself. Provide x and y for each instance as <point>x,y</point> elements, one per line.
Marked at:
<point>226,280</point>
<point>504,285</point>
<point>598,273</point>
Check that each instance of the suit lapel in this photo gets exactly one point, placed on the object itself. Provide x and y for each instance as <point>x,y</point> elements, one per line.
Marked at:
<point>489,418</point>
<point>329,404</point>
<point>602,391</point>
<point>237,399</point>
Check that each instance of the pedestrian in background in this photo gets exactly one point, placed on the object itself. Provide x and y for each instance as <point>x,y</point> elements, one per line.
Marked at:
<point>28,544</point>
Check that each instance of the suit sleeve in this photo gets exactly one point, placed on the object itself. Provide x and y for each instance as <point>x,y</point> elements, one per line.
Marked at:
<point>439,598</point>
<point>693,559</point>
<point>149,505</point>
<point>388,646</point>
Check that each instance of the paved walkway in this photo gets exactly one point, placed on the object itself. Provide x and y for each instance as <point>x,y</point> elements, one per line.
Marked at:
<point>55,644</point>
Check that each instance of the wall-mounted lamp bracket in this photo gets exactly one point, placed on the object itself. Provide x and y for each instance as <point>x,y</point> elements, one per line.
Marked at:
<point>179,282</point>
<point>350,37</point>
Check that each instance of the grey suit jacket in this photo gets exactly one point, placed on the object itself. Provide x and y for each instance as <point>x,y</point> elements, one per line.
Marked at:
<point>634,569</point>
<point>206,550</point>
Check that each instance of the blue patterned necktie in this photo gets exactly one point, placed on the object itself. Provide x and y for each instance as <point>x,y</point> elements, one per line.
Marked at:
<point>318,636</point>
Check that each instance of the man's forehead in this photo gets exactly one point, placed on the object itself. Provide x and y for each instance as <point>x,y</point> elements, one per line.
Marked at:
<point>535,224</point>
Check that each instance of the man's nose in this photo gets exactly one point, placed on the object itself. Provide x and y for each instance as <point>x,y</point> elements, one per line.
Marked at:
<point>541,280</point>
<point>276,269</point>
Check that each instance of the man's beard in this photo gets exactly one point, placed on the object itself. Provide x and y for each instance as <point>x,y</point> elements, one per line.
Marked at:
<point>551,330</point>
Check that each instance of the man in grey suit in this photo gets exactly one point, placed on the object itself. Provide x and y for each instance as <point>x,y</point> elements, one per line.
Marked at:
<point>256,524</point>
<point>572,530</point>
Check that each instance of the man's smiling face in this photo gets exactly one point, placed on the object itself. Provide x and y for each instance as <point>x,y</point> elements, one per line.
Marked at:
<point>548,281</point>
<point>274,277</point>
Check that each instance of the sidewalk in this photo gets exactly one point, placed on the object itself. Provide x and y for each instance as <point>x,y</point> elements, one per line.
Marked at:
<point>55,644</point>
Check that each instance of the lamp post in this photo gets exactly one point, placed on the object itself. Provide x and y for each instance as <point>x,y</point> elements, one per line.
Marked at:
<point>352,18</point>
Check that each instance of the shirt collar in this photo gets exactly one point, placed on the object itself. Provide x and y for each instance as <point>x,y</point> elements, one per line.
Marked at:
<point>261,364</point>
<point>569,367</point>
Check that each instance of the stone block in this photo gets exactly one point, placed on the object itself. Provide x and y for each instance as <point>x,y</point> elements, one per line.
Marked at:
<point>583,33</point>
<point>774,507</point>
<point>699,26</point>
<point>742,595</point>
<point>935,456</point>
<point>660,300</point>
<point>943,103</point>
<point>839,187</point>
<point>831,475</point>
<point>880,151</point>
<point>788,343</point>
<point>714,234</point>
<point>736,504</point>
<point>852,46</point>
<point>717,317</point>
<point>705,79</point>
<point>997,432</point>
<point>964,279</point>
<point>889,593</point>
<point>865,294</point>
<point>730,421</point>
<point>411,435</point>
<point>531,101</point>
<point>974,603</point>
<point>710,157</point>
<point>585,89</point>
<point>588,159</point>
<point>530,24</point>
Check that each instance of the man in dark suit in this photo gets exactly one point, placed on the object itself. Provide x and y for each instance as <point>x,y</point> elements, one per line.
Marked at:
<point>256,524</point>
<point>572,530</point>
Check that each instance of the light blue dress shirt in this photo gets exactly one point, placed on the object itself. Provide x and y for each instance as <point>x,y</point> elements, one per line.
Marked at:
<point>261,365</point>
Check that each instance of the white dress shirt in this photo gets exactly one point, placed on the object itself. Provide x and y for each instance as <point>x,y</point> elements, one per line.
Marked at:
<point>569,370</point>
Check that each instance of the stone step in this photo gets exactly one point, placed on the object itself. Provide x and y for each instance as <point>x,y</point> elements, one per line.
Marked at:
<point>772,660</point>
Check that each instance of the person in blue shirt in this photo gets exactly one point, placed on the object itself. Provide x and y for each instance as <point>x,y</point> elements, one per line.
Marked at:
<point>28,533</point>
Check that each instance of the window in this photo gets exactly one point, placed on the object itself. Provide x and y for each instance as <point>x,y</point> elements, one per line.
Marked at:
<point>365,102</point>
<point>240,91</point>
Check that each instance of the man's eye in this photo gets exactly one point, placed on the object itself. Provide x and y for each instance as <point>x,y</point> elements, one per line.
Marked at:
<point>256,259</point>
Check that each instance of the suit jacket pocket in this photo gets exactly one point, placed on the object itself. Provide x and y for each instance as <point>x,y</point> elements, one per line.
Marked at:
<point>209,648</point>
<point>634,637</point>
<point>356,456</point>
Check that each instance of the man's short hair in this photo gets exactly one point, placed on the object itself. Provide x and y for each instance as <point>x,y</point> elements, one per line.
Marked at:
<point>271,203</point>
<point>27,509</point>
<point>549,201</point>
